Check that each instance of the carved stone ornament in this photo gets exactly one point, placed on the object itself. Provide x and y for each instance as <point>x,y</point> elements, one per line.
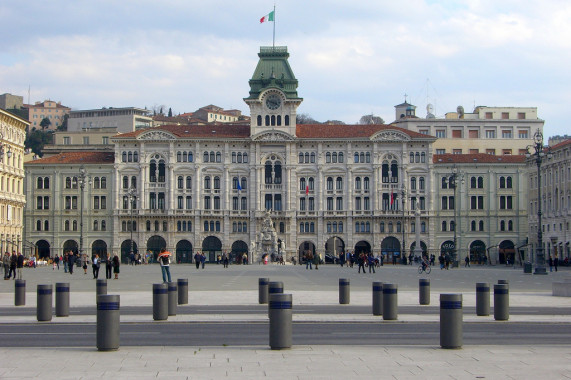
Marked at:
<point>390,136</point>
<point>273,136</point>
<point>156,135</point>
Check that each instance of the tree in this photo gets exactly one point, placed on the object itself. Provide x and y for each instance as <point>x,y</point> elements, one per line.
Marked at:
<point>45,123</point>
<point>36,140</point>
<point>63,126</point>
<point>303,118</point>
<point>371,119</point>
<point>170,112</point>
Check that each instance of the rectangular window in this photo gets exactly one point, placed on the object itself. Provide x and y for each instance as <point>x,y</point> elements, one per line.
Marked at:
<point>66,141</point>
<point>440,151</point>
<point>85,140</point>
<point>457,134</point>
<point>491,152</point>
<point>105,140</point>
<point>490,134</point>
<point>423,131</point>
<point>521,115</point>
<point>474,151</point>
<point>441,133</point>
<point>506,151</point>
<point>456,151</point>
<point>505,115</point>
<point>474,134</point>
<point>489,115</point>
<point>506,134</point>
<point>523,134</point>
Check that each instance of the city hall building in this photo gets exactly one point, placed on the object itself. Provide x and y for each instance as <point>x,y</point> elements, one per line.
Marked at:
<point>237,188</point>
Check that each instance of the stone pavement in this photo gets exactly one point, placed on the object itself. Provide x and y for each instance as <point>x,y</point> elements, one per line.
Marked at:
<point>301,362</point>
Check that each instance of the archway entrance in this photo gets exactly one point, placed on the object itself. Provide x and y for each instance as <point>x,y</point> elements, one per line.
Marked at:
<point>70,245</point>
<point>478,252</point>
<point>447,248</point>
<point>211,247</point>
<point>304,247</point>
<point>362,246</point>
<point>390,249</point>
<point>155,244</point>
<point>507,252</point>
<point>333,247</point>
<point>126,251</point>
<point>183,252</point>
<point>238,250</point>
<point>99,247</point>
<point>43,249</point>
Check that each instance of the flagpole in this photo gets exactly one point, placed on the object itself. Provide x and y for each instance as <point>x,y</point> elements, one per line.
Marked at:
<point>274,36</point>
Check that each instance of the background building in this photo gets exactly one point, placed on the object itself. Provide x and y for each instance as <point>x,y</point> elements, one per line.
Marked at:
<point>12,198</point>
<point>122,120</point>
<point>53,111</point>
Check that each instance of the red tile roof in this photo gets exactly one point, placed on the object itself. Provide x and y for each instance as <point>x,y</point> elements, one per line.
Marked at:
<point>561,144</point>
<point>308,131</point>
<point>477,158</point>
<point>76,158</point>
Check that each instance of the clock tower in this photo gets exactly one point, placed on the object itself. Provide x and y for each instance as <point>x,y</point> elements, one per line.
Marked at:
<point>273,99</point>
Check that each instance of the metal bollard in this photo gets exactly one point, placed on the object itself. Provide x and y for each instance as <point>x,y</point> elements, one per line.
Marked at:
<point>263,284</point>
<point>506,282</point>
<point>108,316</point>
<point>160,302</point>
<point>62,299</point>
<point>344,291</point>
<point>275,287</point>
<point>44,303</point>
<point>424,291</point>
<point>390,301</point>
<point>172,297</point>
<point>451,320</point>
<point>280,314</point>
<point>20,293</point>
<point>501,302</point>
<point>100,288</point>
<point>377,298</point>
<point>482,299</point>
<point>182,284</point>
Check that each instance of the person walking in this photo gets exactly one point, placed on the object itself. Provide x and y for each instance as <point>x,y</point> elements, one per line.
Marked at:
<point>225,260</point>
<point>556,263</point>
<point>308,260</point>
<point>20,265</point>
<point>95,264</point>
<point>65,259</point>
<point>84,263</point>
<point>197,258</point>
<point>108,267</point>
<point>361,262</point>
<point>164,260</point>
<point>371,262</point>
<point>6,264</point>
<point>56,261</point>
<point>116,264</point>
<point>71,262</point>
<point>467,261</point>
<point>550,263</point>
<point>202,259</point>
<point>316,260</point>
<point>13,263</point>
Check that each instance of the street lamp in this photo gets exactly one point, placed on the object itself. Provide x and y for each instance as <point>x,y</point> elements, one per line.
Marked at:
<point>82,180</point>
<point>455,176</point>
<point>403,198</point>
<point>132,194</point>
<point>539,155</point>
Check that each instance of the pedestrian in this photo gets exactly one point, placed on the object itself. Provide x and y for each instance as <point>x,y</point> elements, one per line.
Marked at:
<point>84,263</point>
<point>56,260</point>
<point>371,262</point>
<point>108,267</point>
<point>361,261</point>
<point>441,261</point>
<point>316,260</point>
<point>13,263</point>
<point>244,259</point>
<point>71,262</point>
<point>447,261</point>
<point>308,260</point>
<point>116,264</point>
<point>6,264</point>
<point>225,260</point>
<point>202,259</point>
<point>20,265</point>
<point>95,264</point>
<point>197,258</point>
<point>467,261</point>
<point>550,263</point>
<point>164,261</point>
<point>556,263</point>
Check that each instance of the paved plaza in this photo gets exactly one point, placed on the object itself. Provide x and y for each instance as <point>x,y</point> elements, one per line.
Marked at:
<point>237,285</point>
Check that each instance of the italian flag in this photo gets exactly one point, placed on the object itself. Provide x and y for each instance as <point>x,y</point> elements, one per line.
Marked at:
<point>268,17</point>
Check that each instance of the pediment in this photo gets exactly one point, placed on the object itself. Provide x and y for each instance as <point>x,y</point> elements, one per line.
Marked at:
<point>156,135</point>
<point>273,136</point>
<point>390,136</point>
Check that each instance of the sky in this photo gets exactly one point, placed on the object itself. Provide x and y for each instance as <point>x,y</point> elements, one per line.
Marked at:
<point>351,57</point>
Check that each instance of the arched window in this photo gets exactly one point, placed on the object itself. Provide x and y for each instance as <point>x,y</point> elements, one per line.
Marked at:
<point>205,226</point>
<point>130,157</point>
<point>267,120</point>
<point>66,225</point>
<point>46,225</point>
<point>273,120</point>
<point>509,182</point>
<point>190,157</point>
<point>302,184</point>
<point>165,226</point>
<point>413,183</point>
<point>38,225</point>
<point>311,183</point>
<point>205,157</point>
<point>74,225</point>
<point>148,225</point>
<point>473,225</point>
<point>411,160</point>
<point>394,171</point>
<point>473,183</point>
<point>327,157</point>
<point>103,226</point>
<point>367,227</point>
<point>510,225</point>
<point>480,182</point>
<point>382,225</point>
<point>423,157</point>
<point>502,225</point>
<point>358,183</point>
<point>95,225</point>
<point>362,157</point>
<point>124,157</point>
<point>67,182</point>
<point>306,157</point>
<point>481,225</point>
<point>502,182</point>
<point>124,226</point>
<point>356,158</point>
<point>135,157</point>
<point>217,183</point>
<point>445,182</point>
<point>207,182</point>
<point>385,172</point>
<point>47,182</point>
<point>421,183</point>
<point>188,182</point>
<point>341,157</point>
<point>180,182</point>
<point>366,183</point>
<point>239,157</point>
<point>300,158</point>
<point>329,183</point>
<point>40,183</point>
<point>259,120</point>
<point>178,156</point>
<point>368,157</point>
<point>417,157</point>
<point>339,183</point>
<point>286,118</point>
<point>218,157</point>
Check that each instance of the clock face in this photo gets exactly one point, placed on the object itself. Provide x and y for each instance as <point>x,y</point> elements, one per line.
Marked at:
<point>273,102</point>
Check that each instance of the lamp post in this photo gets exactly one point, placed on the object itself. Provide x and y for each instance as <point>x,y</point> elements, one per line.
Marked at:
<point>539,155</point>
<point>455,176</point>
<point>82,180</point>
<point>132,194</point>
<point>403,195</point>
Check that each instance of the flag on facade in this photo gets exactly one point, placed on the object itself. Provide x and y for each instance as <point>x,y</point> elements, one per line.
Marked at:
<point>268,17</point>
<point>392,198</point>
<point>307,190</point>
<point>239,187</point>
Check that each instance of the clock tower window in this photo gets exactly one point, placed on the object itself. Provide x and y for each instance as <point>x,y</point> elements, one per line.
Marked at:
<point>259,120</point>
<point>286,119</point>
